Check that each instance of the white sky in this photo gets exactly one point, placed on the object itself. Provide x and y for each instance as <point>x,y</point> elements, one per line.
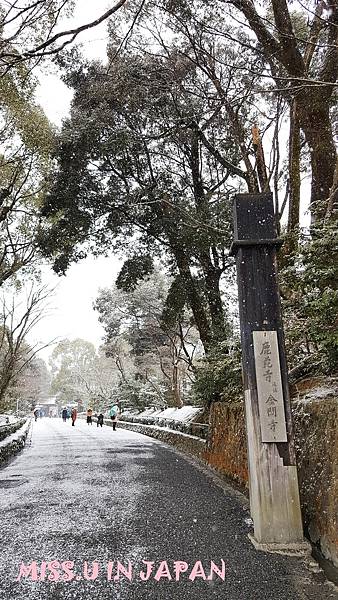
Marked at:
<point>72,315</point>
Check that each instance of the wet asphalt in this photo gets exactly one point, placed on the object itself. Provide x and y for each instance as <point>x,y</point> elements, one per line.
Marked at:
<point>86,494</point>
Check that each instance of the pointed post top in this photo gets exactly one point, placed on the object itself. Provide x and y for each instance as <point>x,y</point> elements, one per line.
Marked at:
<point>254,221</point>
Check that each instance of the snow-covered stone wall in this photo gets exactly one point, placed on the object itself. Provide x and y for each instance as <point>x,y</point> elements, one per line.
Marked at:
<point>184,442</point>
<point>8,429</point>
<point>182,419</point>
<point>180,437</point>
<point>14,442</point>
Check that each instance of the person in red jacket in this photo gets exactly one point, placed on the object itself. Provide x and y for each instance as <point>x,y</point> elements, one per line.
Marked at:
<point>73,415</point>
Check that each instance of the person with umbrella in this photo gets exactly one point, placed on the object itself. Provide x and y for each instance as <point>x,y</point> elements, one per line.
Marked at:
<point>113,414</point>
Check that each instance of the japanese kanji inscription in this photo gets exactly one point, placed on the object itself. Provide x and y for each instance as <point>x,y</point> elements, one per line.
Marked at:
<point>269,387</point>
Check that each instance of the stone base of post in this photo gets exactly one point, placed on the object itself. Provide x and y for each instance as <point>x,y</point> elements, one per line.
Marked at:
<point>295,549</point>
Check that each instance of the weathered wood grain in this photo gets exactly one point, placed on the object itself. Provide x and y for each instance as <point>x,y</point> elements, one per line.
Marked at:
<point>273,483</point>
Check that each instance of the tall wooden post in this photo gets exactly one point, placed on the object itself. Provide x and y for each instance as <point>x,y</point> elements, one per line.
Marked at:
<point>274,494</point>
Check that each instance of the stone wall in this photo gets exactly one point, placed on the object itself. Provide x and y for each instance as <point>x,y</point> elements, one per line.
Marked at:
<point>190,428</point>
<point>14,442</point>
<point>8,429</point>
<point>316,426</point>
<point>186,443</point>
<point>226,450</point>
<point>316,432</point>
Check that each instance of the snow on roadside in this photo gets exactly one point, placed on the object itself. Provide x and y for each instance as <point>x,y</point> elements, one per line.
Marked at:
<point>17,435</point>
<point>184,414</point>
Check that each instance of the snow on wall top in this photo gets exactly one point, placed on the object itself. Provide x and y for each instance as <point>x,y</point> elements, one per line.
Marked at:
<point>16,435</point>
<point>184,414</point>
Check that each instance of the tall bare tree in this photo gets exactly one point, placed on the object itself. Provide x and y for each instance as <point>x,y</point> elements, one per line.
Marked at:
<point>18,319</point>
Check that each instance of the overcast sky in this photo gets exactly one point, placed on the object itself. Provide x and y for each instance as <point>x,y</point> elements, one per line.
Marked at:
<point>72,315</point>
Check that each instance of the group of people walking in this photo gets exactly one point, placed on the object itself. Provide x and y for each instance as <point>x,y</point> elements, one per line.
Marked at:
<point>72,415</point>
<point>113,415</point>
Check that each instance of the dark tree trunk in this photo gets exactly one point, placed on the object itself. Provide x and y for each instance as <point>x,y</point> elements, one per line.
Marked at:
<point>291,243</point>
<point>294,168</point>
<point>194,297</point>
<point>211,272</point>
<point>176,386</point>
<point>211,279</point>
<point>314,119</point>
<point>6,379</point>
<point>182,258</point>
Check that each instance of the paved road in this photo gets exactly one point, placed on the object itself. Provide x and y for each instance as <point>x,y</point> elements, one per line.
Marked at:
<point>88,494</point>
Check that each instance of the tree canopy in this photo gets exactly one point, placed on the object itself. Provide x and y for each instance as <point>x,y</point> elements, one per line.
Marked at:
<point>193,103</point>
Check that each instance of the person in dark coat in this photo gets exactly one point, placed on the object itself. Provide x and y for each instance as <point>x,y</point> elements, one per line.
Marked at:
<point>64,415</point>
<point>89,416</point>
<point>100,420</point>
